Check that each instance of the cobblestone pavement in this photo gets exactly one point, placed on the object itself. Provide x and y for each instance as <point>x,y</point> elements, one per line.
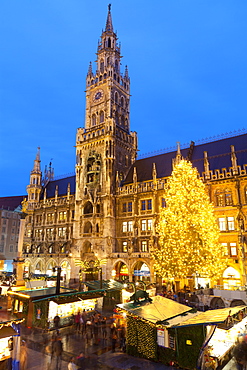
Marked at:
<point>99,356</point>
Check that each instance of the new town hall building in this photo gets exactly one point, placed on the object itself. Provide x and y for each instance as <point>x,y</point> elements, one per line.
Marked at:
<point>110,208</point>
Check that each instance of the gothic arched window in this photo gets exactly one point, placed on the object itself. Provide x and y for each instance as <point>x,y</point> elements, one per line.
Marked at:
<point>228,198</point>
<point>87,228</point>
<point>94,120</point>
<point>122,121</point>
<point>88,208</point>
<point>219,198</point>
<point>87,247</point>
<point>109,42</point>
<point>116,65</point>
<point>223,197</point>
<point>101,117</point>
<point>116,97</point>
<point>101,65</point>
<point>122,101</point>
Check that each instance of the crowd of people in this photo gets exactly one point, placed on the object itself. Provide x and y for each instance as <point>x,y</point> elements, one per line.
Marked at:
<point>92,328</point>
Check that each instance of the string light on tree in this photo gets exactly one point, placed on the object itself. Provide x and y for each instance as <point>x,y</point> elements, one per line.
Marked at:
<point>189,236</point>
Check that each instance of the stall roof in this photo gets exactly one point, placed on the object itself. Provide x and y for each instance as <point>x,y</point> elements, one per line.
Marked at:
<point>74,296</point>
<point>212,317</point>
<point>7,332</point>
<point>65,299</point>
<point>44,292</point>
<point>160,310</point>
<point>109,285</point>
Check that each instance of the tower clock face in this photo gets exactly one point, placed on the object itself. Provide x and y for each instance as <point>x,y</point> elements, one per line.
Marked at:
<point>98,95</point>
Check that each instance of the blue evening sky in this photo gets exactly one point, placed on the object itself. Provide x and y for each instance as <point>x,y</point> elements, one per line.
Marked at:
<point>187,62</point>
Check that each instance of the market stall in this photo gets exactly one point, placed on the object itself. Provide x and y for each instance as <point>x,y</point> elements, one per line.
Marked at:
<point>147,327</point>
<point>40,306</point>
<point>223,329</point>
<point>8,345</point>
<point>169,332</point>
<point>113,291</point>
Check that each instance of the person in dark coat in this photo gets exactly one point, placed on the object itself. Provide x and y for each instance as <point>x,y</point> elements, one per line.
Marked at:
<point>113,336</point>
<point>57,353</point>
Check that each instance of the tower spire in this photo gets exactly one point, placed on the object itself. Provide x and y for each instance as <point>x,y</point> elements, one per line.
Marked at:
<point>109,27</point>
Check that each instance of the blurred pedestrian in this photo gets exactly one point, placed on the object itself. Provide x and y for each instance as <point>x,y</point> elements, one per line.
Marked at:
<point>113,336</point>
<point>23,355</point>
<point>71,364</point>
<point>123,338</point>
<point>104,328</point>
<point>56,321</point>
<point>80,361</point>
<point>57,353</point>
<point>96,332</point>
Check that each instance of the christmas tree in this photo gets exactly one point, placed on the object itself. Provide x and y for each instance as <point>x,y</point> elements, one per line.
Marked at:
<point>188,233</point>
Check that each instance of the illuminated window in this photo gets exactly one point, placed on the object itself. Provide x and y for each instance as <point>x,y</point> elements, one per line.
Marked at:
<point>50,217</point>
<point>62,216</point>
<point>144,246</point>
<point>225,248</point>
<point>144,225</point>
<point>223,198</point>
<point>130,226</point>
<point>220,200</point>
<point>222,223</point>
<point>233,249</point>
<point>125,247</point>
<point>230,223</point>
<point>150,224</point>
<point>125,226</point>
<point>61,231</point>
<point>228,199</point>
<point>49,233</point>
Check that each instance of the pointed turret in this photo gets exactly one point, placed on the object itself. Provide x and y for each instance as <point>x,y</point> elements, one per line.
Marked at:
<point>134,176</point>
<point>154,173</point>
<point>178,158</point>
<point>36,167</point>
<point>34,187</point>
<point>108,26</point>
<point>206,166</point>
<point>234,161</point>
<point>90,69</point>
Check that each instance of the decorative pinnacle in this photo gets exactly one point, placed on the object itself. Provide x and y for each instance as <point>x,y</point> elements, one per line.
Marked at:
<point>90,69</point>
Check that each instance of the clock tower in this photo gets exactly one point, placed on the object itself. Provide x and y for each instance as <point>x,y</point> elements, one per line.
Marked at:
<point>105,149</point>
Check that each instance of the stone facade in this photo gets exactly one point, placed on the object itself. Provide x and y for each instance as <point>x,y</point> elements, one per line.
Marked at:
<point>110,208</point>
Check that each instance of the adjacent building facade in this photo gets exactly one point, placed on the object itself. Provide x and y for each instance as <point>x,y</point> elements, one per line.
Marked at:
<point>110,208</point>
<point>9,230</point>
